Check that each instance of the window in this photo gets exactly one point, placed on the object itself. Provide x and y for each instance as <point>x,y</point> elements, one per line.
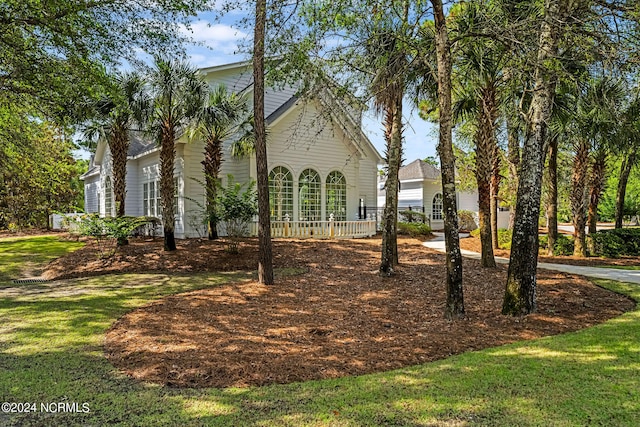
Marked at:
<point>108,197</point>
<point>152,199</point>
<point>337,196</point>
<point>309,195</point>
<point>280,193</point>
<point>436,207</point>
<point>145,199</point>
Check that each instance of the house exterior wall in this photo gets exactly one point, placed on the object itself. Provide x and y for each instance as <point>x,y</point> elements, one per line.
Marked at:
<point>468,201</point>
<point>410,194</point>
<point>303,139</point>
<point>91,191</point>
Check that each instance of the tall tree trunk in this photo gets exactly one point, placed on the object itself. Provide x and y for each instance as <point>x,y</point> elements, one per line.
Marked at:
<point>167,188</point>
<point>578,197</point>
<point>520,292</point>
<point>596,186</point>
<point>484,162</point>
<point>119,147</point>
<point>455,298</point>
<point>552,200</point>
<point>265,261</point>
<point>513,160</point>
<point>211,166</point>
<point>393,120</point>
<point>495,189</point>
<point>625,171</point>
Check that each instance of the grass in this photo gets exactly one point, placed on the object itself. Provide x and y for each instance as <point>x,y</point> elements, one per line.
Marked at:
<point>50,351</point>
<point>23,255</point>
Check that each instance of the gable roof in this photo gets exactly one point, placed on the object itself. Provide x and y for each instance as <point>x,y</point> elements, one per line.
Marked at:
<point>418,170</point>
<point>139,145</point>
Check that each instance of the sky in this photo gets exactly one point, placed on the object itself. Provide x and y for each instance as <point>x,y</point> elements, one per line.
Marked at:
<point>219,43</point>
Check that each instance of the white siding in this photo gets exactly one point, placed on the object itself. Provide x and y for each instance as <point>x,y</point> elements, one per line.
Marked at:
<point>133,198</point>
<point>303,140</point>
<point>468,201</point>
<point>410,194</point>
<point>91,194</point>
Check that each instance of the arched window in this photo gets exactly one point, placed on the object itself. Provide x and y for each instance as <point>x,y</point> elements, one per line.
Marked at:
<point>108,197</point>
<point>280,193</point>
<point>309,196</point>
<point>436,207</point>
<point>337,196</point>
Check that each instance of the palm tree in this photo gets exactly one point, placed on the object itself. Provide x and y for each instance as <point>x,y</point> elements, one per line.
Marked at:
<point>115,118</point>
<point>388,87</point>
<point>223,116</point>
<point>595,120</point>
<point>478,99</point>
<point>175,96</point>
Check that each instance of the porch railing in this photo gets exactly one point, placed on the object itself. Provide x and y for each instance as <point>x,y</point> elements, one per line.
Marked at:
<point>320,229</point>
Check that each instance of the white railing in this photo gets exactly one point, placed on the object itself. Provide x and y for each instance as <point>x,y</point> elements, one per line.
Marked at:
<point>320,229</point>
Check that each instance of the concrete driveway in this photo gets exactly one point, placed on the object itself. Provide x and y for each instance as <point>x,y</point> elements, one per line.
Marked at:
<point>631,276</point>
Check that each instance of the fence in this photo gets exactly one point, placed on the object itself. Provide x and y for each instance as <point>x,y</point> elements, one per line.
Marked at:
<point>320,229</point>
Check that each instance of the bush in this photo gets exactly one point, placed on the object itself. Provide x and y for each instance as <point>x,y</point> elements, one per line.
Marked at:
<point>617,242</point>
<point>467,220</point>
<point>504,238</point>
<point>106,231</point>
<point>413,216</point>
<point>236,208</point>
<point>564,245</point>
<point>414,229</point>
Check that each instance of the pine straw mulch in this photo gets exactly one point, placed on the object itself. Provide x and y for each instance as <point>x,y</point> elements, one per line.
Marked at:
<point>473,244</point>
<point>338,318</point>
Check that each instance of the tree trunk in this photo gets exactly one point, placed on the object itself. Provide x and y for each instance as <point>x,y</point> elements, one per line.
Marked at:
<point>211,166</point>
<point>265,261</point>
<point>552,200</point>
<point>495,188</point>
<point>393,120</point>
<point>520,292</point>
<point>513,159</point>
<point>167,188</point>
<point>484,162</point>
<point>596,186</point>
<point>119,147</point>
<point>578,197</point>
<point>625,171</point>
<point>455,298</point>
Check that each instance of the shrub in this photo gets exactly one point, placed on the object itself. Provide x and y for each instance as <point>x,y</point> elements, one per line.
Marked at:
<point>236,207</point>
<point>467,220</point>
<point>413,229</point>
<point>564,245</point>
<point>475,233</point>
<point>504,238</point>
<point>617,242</point>
<point>413,216</point>
<point>106,231</point>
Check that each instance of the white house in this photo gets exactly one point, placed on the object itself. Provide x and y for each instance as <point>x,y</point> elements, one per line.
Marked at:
<point>321,164</point>
<point>421,190</point>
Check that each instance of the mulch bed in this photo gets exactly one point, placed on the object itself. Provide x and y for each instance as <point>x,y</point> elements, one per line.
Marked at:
<point>473,244</point>
<point>339,318</point>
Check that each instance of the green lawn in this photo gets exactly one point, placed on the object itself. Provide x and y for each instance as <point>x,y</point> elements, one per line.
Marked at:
<point>50,351</point>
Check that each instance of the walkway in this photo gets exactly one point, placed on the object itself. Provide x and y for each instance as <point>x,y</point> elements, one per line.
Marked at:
<point>631,276</point>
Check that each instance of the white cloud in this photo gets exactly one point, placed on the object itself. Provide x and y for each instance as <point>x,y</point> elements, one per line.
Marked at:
<point>214,35</point>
